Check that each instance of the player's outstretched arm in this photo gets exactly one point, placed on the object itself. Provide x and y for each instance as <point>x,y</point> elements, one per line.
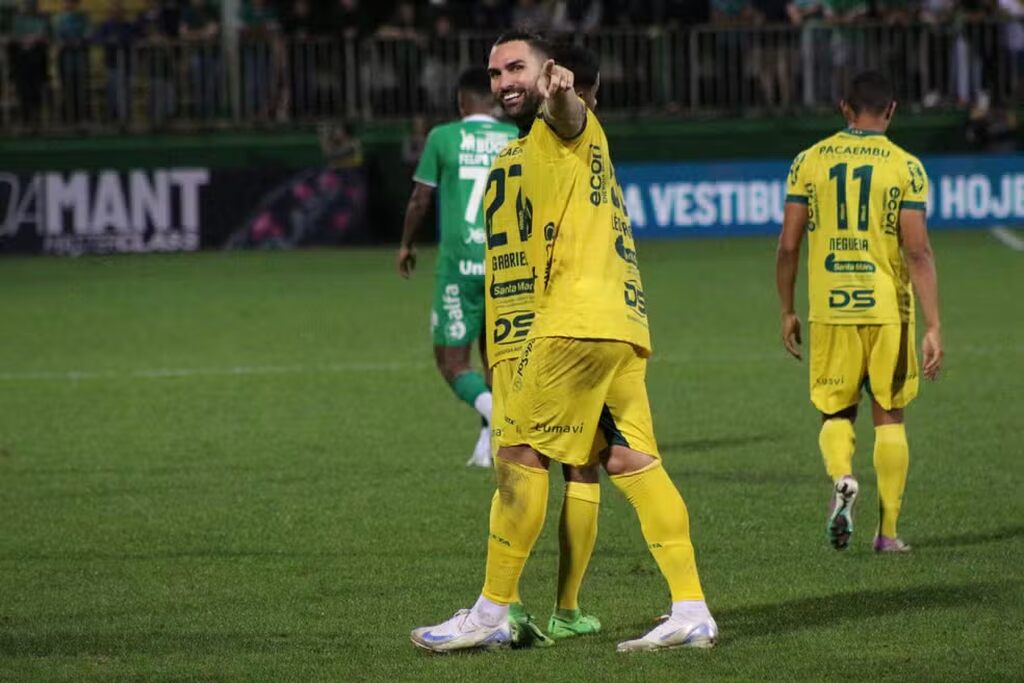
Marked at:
<point>787,259</point>
<point>917,250</point>
<point>562,108</point>
<point>415,210</point>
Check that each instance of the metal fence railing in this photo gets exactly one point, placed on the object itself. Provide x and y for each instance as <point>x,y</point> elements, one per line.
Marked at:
<point>768,69</point>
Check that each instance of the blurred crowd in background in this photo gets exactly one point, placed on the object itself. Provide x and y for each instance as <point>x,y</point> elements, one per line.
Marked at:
<point>152,63</point>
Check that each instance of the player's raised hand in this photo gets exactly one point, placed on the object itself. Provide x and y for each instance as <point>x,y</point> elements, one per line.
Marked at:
<point>554,79</point>
<point>406,261</point>
<point>931,349</point>
<point>791,334</point>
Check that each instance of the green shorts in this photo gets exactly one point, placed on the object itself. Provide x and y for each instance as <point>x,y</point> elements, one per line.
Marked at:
<point>457,316</point>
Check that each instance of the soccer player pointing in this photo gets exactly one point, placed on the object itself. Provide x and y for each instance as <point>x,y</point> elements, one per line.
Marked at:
<point>583,367</point>
<point>861,199</point>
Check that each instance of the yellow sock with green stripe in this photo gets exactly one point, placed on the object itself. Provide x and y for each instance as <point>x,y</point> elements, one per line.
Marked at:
<point>892,460</point>
<point>517,516</point>
<point>837,441</point>
<point>666,527</point>
<point>577,534</point>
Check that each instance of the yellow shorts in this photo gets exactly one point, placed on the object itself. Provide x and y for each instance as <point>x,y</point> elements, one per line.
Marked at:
<point>846,357</point>
<point>501,383</point>
<point>564,394</point>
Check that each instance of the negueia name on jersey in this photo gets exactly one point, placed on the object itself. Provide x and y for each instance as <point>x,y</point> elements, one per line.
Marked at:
<point>847,244</point>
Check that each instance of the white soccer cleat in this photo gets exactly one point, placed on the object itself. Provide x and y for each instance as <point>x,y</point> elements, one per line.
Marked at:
<point>840,515</point>
<point>482,451</point>
<point>675,632</point>
<point>461,632</point>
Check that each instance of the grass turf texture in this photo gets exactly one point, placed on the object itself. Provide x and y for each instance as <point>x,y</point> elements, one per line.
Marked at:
<point>257,474</point>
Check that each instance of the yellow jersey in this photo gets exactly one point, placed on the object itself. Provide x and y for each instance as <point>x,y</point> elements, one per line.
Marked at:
<point>508,274</point>
<point>855,184</point>
<point>580,240</point>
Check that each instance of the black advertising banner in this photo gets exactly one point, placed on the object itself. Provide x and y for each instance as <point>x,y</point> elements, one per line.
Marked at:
<point>180,209</point>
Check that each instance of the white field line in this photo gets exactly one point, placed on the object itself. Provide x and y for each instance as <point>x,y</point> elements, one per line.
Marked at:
<point>1008,237</point>
<point>406,366</point>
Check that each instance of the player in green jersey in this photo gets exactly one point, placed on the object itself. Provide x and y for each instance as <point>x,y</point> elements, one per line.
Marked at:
<point>454,164</point>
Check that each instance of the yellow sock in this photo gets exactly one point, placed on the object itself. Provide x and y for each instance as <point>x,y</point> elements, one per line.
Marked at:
<point>517,516</point>
<point>666,527</point>
<point>892,459</point>
<point>837,440</point>
<point>577,533</point>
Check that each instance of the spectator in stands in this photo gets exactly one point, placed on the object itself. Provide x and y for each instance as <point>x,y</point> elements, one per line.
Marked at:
<point>531,15</point>
<point>159,25</point>
<point>117,35</point>
<point>941,46</point>
<point>300,28</point>
<point>576,16</point>
<point>730,70</point>
<point>348,20</point>
<point>978,50</point>
<point>29,55</point>
<point>402,24</point>
<point>200,31</point>
<point>441,65</point>
<point>809,15</point>
<point>71,33</point>
<point>773,53</point>
<point>260,46</point>
<point>490,16</point>
<point>1012,12</point>
<point>899,50</point>
<point>845,42</point>
<point>395,79</point>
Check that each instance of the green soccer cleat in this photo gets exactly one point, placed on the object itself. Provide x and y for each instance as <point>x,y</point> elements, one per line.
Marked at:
<point>568,623</point>
<point>525,632</point>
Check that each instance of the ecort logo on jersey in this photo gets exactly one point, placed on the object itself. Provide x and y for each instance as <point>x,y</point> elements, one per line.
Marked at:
<point>834,266</point>
<point>851,299</point>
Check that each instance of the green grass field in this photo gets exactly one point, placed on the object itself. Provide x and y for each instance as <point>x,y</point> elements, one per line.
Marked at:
<point>245,467</point>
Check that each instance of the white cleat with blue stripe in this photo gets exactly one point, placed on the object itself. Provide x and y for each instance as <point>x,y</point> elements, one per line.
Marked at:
<point>675,632</point>
<point>461,632</point>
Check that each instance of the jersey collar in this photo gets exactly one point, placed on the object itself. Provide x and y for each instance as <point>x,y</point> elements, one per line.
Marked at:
<point>480,117</point>
<point>861,133</point>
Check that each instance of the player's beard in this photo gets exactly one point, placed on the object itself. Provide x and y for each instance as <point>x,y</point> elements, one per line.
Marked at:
<point>526,112</point>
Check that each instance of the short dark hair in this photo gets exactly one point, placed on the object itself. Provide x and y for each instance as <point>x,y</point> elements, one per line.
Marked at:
<point>475,81</point>
<point>581,61</point>
<point>869,92</point>
<point>536,41</point>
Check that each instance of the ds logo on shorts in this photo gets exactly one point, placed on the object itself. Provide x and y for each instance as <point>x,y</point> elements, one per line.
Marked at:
<point>513,327</point>
<point>851,299</point>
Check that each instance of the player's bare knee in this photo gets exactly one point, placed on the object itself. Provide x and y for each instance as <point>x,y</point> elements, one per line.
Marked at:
<point>581,475</point>
<point>882,416</point>
<point>523,455</point>
<point>622,460</point>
